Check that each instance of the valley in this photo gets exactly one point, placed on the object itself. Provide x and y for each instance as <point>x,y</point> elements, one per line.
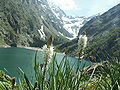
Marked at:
<point>44,47</point>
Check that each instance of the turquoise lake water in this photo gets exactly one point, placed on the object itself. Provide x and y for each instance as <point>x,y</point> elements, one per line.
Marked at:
<point>12,58</point>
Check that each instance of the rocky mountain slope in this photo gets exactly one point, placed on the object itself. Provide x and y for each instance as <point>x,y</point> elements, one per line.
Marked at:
<point>29,23</point>
<point>104,36</point>
<point>72,24</point>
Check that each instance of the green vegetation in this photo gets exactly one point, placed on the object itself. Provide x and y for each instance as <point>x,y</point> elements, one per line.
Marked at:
<point>20,21</point>
<point>103,36</point>
<point>19,24</point>
<point>99,76</point>
<point>51,75</point>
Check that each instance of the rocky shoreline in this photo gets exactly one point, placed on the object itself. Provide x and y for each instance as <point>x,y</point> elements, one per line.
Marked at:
<point>32,48</point>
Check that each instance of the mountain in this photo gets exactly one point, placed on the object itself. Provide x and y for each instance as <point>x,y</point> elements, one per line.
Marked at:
<point>103,32</point>
<point>71,24</point>
<point>29,23</point>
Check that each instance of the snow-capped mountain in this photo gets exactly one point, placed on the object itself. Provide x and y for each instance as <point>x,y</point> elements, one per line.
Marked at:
<point>36,23</point>
<point>71,24</point>
<point>30,23</point>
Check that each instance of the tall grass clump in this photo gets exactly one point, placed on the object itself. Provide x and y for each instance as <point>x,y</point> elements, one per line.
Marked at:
<point>52,75</point>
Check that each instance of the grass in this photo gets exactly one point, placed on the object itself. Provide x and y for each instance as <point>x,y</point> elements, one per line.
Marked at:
<point>99,76</point>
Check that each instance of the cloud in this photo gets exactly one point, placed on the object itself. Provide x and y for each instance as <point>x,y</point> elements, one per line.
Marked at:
<point>101,7</point>
<point>85,7</point>
<point>65,4</point>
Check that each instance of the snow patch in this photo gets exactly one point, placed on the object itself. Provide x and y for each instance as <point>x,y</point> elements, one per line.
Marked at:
<point>71,24</point>
<point>61,33</point>
<point>66,37</point>
<point>42,17</point>
<point>41,32</point>
<point>44,6</point>
<point>56,14</point>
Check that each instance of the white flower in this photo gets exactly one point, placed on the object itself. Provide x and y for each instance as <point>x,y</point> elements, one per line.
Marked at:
<point>48,53</point>
<point>51,51</point>
<point>82,43</point>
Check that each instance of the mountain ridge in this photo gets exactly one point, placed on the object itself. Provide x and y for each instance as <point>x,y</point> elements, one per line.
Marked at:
<point>71,24</point>
<point>28,23</point>
<point>103,33</point>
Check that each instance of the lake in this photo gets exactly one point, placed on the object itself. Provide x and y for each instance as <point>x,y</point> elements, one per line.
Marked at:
<point>14,57</point>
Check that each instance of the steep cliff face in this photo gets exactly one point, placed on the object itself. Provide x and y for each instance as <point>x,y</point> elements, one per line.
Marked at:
<point>28,23</point>
<point>104,36</point>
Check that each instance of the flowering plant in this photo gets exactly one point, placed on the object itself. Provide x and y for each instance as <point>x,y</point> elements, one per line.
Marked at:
<point>82,43</point>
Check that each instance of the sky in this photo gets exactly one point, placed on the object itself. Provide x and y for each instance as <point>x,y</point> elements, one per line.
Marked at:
<point>85,7</point>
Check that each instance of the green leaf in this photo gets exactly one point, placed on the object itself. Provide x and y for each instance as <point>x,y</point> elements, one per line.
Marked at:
<point>49,42</point>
